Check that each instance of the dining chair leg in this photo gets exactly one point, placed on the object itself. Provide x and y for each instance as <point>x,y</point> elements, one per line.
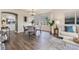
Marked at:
<point>29,34</point>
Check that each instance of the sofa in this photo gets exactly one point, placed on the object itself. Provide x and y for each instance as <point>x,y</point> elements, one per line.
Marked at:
<point>68,35</point>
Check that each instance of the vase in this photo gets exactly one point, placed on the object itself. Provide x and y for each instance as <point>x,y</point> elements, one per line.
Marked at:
<point>50,30</point>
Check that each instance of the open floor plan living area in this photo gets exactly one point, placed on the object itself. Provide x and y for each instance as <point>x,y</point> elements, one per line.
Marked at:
<point>39,29</point>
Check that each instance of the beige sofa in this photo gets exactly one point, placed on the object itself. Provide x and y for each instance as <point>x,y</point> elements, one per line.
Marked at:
<point>68,35</point>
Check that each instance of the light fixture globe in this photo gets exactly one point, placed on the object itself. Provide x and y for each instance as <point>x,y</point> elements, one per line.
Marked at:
<point>32,13</point>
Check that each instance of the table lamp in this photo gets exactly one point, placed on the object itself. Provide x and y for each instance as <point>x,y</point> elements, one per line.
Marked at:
<point>76,36</point>
<point>56,29</point>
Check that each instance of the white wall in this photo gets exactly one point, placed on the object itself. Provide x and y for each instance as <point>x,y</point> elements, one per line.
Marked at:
<point>59,15</point>
<point>56,15</point>
<point>0,18</point>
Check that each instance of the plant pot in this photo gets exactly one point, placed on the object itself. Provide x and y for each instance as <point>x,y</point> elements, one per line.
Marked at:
<point>51,30</point>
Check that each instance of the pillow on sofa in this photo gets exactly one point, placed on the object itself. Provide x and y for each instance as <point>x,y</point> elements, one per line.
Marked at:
<point>70,28</point>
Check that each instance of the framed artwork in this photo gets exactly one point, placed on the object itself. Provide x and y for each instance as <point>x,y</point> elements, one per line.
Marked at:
<point>25,19</point>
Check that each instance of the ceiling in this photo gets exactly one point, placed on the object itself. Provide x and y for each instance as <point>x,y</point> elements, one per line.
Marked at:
<point>38,11</point>
<point>42,11</point>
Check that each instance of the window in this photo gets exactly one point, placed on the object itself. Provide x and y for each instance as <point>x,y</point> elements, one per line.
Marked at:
<point>41,19</point>
<point>70,20</point>
<point>77,20</point>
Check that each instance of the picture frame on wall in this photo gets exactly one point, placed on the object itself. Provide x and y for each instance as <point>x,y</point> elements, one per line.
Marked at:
<point>25,19</point>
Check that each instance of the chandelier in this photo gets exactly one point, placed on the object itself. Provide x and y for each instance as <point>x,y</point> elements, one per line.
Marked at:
<point>33,12</point>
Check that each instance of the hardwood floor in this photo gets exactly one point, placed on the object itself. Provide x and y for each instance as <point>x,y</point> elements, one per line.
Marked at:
<point>19,42</point>
<point>42,41</point>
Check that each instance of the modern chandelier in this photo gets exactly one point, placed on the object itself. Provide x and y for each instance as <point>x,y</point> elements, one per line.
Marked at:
<point>33,12</point>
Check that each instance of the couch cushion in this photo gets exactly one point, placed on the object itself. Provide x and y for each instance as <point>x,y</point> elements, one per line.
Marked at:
<point>68,34</point>
<point>70,28</point>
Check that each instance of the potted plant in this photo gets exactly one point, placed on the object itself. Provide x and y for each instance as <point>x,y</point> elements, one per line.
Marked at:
<point>50,23</point>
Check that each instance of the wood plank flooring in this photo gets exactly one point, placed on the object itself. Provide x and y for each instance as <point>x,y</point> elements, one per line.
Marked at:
<point>41,41</point>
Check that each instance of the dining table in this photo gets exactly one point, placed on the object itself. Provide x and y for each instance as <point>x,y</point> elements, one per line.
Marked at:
<point>30,29</point>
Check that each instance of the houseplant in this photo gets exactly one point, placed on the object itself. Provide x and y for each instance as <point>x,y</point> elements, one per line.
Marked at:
<point>50,23</point>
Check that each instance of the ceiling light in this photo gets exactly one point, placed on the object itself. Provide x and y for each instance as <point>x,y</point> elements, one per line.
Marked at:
<point>32,13</point>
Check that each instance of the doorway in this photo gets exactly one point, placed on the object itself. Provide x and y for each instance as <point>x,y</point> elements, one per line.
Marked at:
<point>11,20</point>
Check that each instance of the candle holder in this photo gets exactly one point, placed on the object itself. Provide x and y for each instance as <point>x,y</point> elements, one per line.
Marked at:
<point>56,32</point>
<point>56,29</point>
